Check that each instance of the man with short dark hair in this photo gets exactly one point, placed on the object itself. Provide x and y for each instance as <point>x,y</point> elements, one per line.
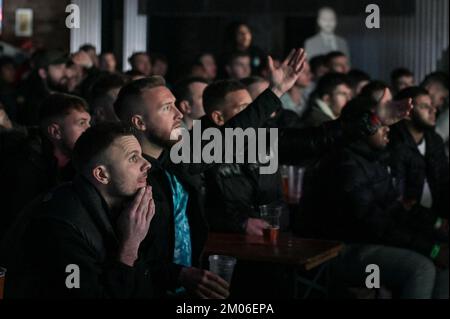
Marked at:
<point>189,95</point>
<point>331,95</point>
<point>180,228</point>
<point>92,52</point>
<point>419,160</point>
<point>44,160</point>
<point>436,84</point>
<point>238,66</point>
<point>359,205</point>
<point>358,80</point>
<point>401,78</point>
<point>160,64</point>
<point>337,62</point>
<point>103,95</point>
<point>140,62</point>
<point>85,239</point>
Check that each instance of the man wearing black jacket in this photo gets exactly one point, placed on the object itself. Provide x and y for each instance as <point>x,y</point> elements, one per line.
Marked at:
<point>179,223</point>
<point>419,161</point>
<point>362,208</point>
<point>84,239</point>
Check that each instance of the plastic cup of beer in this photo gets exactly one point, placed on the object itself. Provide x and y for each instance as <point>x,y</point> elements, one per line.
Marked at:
<point>2,281</point>
<point>271,215</point>
<point>223,266</point>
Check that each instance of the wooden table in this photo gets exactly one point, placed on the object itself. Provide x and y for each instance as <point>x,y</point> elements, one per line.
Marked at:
<point>302,254</point>
<point>291,250</point>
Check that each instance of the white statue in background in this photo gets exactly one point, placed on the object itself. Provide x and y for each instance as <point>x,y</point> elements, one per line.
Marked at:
<point>326,41</point>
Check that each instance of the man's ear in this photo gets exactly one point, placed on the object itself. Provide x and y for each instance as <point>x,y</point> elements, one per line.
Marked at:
<point>326,98</point>
<point>54,131</point>
<point>42,73</point>
<point>217,118</point>
<point>138,122</point>
<point>101,175</point>
<point>185,107</point>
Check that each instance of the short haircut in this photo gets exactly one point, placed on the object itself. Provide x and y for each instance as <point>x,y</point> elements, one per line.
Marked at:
<point>132,58</point>
<point>332,55</point>
<point>252,80</point>
<point>87,47</point>
<point>316,62</point>
<point>129,101</point>
<point>215,93</point>
<point>92,144</point>
<point>435,77</point>
<point>107,82</point>
<point>410,93</point>
<point>182,91</point>
<point>328,83</point>
<point>158,57</point>
<point>373,89</point>
<point>356,76</point>
<point>236,55</point>
<point>400,72</point>
<point>59,105</point>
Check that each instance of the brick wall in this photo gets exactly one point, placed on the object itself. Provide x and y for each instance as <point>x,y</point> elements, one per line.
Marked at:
<point>48,23</point>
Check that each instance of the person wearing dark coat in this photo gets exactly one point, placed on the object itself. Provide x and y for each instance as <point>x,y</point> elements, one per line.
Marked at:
<point>362,208</point>
<point>84,239</point>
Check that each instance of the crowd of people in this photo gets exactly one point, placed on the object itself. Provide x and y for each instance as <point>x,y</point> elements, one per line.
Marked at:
<point>86,176</point>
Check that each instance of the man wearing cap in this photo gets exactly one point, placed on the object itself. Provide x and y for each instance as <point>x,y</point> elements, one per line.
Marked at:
<point>48,76</point>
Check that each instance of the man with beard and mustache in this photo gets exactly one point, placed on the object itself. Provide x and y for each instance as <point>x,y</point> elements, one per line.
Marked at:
<point>418,157</point>
<point>350,196</point>
<point>179,229</point>
<point>48,76</point>
<point>84,239</point>
<point>43,159</point>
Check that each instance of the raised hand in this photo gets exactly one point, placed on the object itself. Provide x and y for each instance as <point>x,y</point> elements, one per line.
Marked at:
<point>283,78</point>
<point>394,111</point>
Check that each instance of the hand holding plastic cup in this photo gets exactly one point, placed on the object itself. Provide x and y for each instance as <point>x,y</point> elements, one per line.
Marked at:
<point>223,266</point>
<point>271,215</point>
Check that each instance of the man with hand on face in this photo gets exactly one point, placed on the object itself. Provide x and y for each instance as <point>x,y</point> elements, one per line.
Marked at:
<point>84,239</point>
<point>179,230</point>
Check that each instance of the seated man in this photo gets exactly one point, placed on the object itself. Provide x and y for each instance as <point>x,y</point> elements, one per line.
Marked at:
<point>189,95</point>
<point>327,101</point>
<point>83,239</point>
<point>350,196</point>
<point>140,63</point>
<point>43,161</point>
<point>179,230</point>
<point>419,162</point>
<point>234,192</point>
<point>238,66</point>
<point>401,78</point>
<point>337,62</point>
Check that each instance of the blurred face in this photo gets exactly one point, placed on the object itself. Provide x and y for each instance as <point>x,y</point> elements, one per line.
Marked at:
<point>338,99</point>
<point>8,73</point>
<point>380,139</point>
<point>327,20</point>
<point>94,58</point>
<point>72,126</point>
<point>240,68</point>
<point>404,82</point>
<point>159,68</point>
<point>243,37</point>
<point>423,113</point>
<point>197,110</point>
<point>209,64</point>
<point>305,77</point>
<point>142,64</point>
<point>126,167</point>
<point>235,102</point>
<point>74,75</point>
<point>162,117</point>
<point>56,77</point>
<point>108,62</point>
<point>438,94</point>
<point>340,65</point>
<point>257,88</point>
